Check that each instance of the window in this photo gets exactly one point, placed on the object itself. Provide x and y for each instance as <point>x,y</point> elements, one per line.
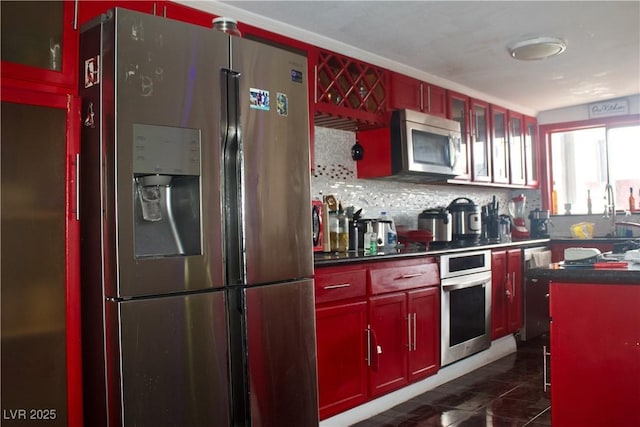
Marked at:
<point>585,160</point>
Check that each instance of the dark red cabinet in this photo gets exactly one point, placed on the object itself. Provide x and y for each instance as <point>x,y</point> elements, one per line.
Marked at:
<point>341,338</point>
<point>341,352</point>
<point>41,337</point>
<point>458,110</point>
<point>479,140</point>
<point>424,357</point>
<point>348,94</point>
<point>40,45</point>
<point>499,145</point>
<point>531,151</point>
<point>390,325</point>
<point>517,168</point>
<point>595,355</point>
<point>413,94</point>
<point>404,312</point>
<point>506,292</point>
<point>90,9</point>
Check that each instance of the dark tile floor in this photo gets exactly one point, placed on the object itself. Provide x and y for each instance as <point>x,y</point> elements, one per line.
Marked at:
<point>507,392</point>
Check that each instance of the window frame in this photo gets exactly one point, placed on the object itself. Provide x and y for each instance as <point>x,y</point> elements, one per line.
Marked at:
<point>546,164</point>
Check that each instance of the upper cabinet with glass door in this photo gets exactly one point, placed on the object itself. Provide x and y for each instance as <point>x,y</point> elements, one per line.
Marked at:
<point>499,145</point>
<point>516,149</point>
<point>458,110</point>
<point>480,147</point>
<point>531,150</point>
<point>40,43</point>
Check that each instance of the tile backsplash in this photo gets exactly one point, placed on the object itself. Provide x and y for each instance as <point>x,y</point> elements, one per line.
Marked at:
<point>335,173</point>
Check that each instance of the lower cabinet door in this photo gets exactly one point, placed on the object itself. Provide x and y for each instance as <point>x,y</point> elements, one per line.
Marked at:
<point>342,356</point>
<point>390,327</point>
<point>498,294</point>
<point>514,308</point>
<point>424,349</point>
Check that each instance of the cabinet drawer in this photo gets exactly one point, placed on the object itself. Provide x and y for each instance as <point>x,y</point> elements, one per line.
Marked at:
<point>399,277</point>
<point>336,284</point>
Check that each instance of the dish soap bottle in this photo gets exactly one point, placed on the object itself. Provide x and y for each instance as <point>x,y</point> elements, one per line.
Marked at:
<point>632,200</point>
<point>389,237</point>
<point>370,240</point>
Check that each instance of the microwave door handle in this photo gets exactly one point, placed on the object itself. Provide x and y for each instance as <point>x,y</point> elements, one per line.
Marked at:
<point>453,153</point>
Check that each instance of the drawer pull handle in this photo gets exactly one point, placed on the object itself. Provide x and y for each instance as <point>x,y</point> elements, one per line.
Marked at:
<point>343,285</point>
<point>410,276</point>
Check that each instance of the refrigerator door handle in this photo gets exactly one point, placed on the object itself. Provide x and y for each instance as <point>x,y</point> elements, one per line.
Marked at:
<point>232,174</point>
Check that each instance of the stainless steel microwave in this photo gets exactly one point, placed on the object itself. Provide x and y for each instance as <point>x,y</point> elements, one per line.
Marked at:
<point>425,147</point>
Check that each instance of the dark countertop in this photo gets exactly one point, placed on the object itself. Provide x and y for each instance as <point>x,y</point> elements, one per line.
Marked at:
<point>322,259</point>
<point>596,240</point>
<point>559,272</point>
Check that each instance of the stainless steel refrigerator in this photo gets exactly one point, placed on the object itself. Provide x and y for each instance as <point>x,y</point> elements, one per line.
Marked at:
<point>197,263</point>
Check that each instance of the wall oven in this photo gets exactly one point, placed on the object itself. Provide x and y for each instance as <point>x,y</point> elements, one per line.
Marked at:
<point>425,146</point>
<point>465,304</point>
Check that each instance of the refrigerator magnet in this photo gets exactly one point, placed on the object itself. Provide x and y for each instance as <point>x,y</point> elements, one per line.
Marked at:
<point>259,99</point>
<point>282,104</point>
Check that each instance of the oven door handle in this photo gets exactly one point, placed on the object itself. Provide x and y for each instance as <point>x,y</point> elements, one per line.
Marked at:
<point>464,285</point>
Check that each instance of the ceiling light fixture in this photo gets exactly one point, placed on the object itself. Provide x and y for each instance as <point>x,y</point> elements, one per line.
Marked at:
<point>537,48</point>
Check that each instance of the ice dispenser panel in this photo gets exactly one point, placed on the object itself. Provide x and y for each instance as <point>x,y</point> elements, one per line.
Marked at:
<point>166,191</point>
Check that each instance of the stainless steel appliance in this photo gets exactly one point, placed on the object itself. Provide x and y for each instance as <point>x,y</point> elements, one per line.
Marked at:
<point>539,220</point>
<point>535,312</point>
<point>465,304</point>
<point>188,162</point>
<point>438,221</point>
<point>424,147</point>
<point>466,220</point>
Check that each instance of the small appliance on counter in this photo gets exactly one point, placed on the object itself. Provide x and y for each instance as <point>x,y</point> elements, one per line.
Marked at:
<point>437,221</point>
<point>539,220</point>
<point>517,207</point>
<point>467,222</point>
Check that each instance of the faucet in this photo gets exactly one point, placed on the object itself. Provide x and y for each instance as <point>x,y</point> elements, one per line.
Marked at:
<point>610,208</point>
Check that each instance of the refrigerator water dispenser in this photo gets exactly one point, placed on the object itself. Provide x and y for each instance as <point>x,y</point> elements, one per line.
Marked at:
<point>166,189</point>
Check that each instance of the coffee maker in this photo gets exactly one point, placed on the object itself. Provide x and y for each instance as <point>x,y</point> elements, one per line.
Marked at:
<point>539,223</point>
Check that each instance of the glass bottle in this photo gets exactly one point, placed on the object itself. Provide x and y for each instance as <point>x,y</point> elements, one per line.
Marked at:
<point>632,200</point>
<point>343,230</point>
<point>589,206</point>
<point>554,200</point>
<point>333,231</point>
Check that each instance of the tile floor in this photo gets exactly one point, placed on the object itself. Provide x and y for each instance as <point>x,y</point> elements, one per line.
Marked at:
<point>507,392</point>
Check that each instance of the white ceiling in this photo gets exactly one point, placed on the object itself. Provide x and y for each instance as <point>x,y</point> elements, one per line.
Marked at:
<point>462,45</point>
